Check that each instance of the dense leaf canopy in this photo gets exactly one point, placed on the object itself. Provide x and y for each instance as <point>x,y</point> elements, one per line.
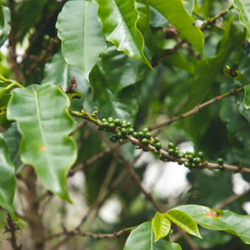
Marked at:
<point>108,92</point>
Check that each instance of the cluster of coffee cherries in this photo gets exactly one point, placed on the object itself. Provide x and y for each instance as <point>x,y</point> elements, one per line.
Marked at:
<point>121,129</point>
<point>193,159</point>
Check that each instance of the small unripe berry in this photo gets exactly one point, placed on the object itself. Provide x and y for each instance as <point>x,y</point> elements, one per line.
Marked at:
<point>110,119</point>
<point>140,134</point>
<point>145,141</point>
<point>135,134</point>
<point>158,145</point>
<point>197,160</point>
<point>220,161</point>
<point>124,131</point>
<point>130,131</point>
<point>117,122</point>
<point>171,151</point>
<point>113,138</point>
<point>147,135</point>
<point>171,145</point>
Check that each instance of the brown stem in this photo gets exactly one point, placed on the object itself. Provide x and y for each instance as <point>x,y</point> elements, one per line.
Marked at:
<point>11,228</point>
<point>34,218</point>
<point>12,43</point>
<point>197,108</point>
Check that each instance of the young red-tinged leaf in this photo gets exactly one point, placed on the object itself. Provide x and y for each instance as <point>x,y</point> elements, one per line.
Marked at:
<point>184,221</point>
<point>44,123</point>
<point>161,225</point>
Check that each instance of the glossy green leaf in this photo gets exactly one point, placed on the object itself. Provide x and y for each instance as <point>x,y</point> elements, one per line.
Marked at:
<point>7,178</point>
<point>246,100</point>
<point>125,71</point>
<point>189,5</point>
<point>35,10</point>
<point>123,104</point>
<point>119,19</point>
<point>175,12</point>
<point>13,138</point>
<point>157,19</point>
<point>179,60</point>
<point>58,72</point>
<point>142,7</point>
<point>142,237</point>
<point>6,86</point>
<point>224,220</point>
<point>244,8</point>
<point>81,34</point>
<point>5,24</point>
<point>184,221</point>
<point>161,225</point>
<point>1,20</point>
<point>43,120</point>
<point>207,69</point>
<point>237,120</point>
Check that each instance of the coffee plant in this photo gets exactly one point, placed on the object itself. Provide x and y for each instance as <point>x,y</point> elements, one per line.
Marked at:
<point>90,88</point>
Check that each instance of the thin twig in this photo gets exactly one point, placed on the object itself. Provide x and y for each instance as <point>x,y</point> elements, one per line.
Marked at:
<point>93,160</point>
<point>12,43</point>
<point>11,228</point>
<point>197,109</point>
<point>90,234</point>
<point>230,200</point>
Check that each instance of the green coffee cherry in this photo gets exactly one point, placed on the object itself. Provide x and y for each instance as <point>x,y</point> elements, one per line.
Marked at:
<point>130,131</point>
<point>110,119</point>
<point>158,145</point>
<point>171,145</point>
<point>197,160</point>
<point>156,139</point>
<point>135,134</point>
<point>124,125</point>
<point>124,131</point>
<point>140,134</point>
<point>120,141</point>
<point>145,141</point>
<point>187,164</point>
<point>145,130</point>
<point>201,154</point>
<point>117,122</point>
<point>190,157</point>
<point>220,161</point>
<point>129,124</point>
<point>147,135</point>
<point>171,151</point>
<point>181,155</point>
<point>111,125</point>
<point>105,124</point>
<point>193,165</point>
<point>119,135</point>
<point>113,138</point>
<point>104,120</point>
